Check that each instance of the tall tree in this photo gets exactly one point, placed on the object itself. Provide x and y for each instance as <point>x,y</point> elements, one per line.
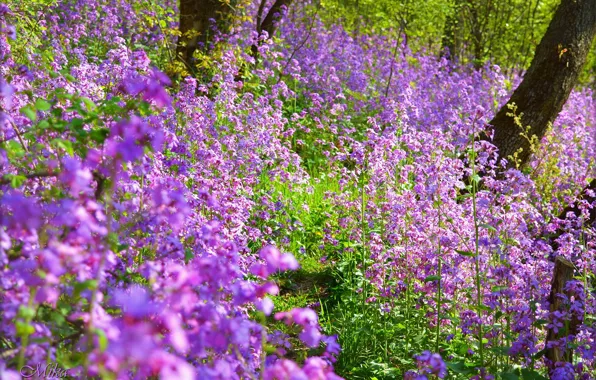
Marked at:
<point>557,63</point>
<point>270,21</point>
<point>451,29</point>
<point>196,25</point>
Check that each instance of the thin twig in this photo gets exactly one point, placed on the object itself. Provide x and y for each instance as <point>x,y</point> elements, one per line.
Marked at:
<point>16,131</point>
<point>300,45</point>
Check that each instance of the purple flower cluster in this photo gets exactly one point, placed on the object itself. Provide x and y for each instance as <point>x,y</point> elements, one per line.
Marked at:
<point>429,364</point>
<point>140,228</point>
<point>126,240</point>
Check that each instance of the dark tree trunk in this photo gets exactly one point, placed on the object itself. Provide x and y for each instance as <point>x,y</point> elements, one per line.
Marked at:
<point>477,35</point>
<point>270,22</point>
<point>450,33</point>
<point>195,27</point>
<point>557,63</point>
<point>563,273</point>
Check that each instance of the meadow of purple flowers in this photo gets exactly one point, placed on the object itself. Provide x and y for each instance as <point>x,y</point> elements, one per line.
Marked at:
<point>143,223</point>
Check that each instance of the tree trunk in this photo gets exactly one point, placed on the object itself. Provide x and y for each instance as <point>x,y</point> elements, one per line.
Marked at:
<point>563,273</point>
<point>195,25</point>
<point>557,63</point>
<point>269,23</point>
<point>449,42</point>
<point>477,35</point>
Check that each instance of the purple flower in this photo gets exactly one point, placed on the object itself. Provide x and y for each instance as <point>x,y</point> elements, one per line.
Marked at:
<point>6,92</point>
<point>135,302</point>
<point>8,374</point>
<point>11,32</point>
<point>332,347</point>
<point>177,335</point>
<point>19,212</point>
<point>172,368</point>
<point>276,261</point>
<point>155,92</point>
<point>563,371</point>
<point>429,363</point>
<point>311,336</point>
<point>133,85</point>
<point>265,305</point>
<point>284,369</point>
<point>155,89</point>
<point>76,178</point>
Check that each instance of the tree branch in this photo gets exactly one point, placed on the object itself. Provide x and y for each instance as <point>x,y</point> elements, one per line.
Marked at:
<point>43,174</point>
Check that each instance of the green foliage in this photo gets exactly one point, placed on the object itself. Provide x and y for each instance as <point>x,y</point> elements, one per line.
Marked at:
<point>478,31</point>
<point>151,16</point>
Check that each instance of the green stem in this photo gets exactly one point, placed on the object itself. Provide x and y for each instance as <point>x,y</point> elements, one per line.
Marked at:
<point>477,263</point>
<point>407,288</point>
<point>100,268</point>
<point>440,259</point>
<point>25,337</point>
<point>363,227</point>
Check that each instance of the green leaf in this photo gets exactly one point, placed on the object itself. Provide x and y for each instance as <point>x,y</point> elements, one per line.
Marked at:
<point>64,144</point>
<point>488,227</point>
<point>24,329</point>
<point>188,255</point>
<point>26,312</point>
<point>99,135</point>
<point>14,149</point>
<point>458,367</point>
<point>432,278</point>
<point>465,253</point>
<point>57,318</point>
<point>76,123</point>
<point>499,288</point>
<point>539,354</point>
<point>88,102</point>
<point>43,124</point>
<point>270,349</point>
<point>510,241</point>
<point>500,350</point>
<point>29,112</point>
<point>42,105</point>
<point>539,323</point>
<point>16,181</point>
<point>531,375</point>
<point>509,376</point>
<point>85,285</point>
<point>102,338</point>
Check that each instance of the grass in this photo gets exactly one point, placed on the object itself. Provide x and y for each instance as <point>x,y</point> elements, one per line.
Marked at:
<point>373,340</point>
